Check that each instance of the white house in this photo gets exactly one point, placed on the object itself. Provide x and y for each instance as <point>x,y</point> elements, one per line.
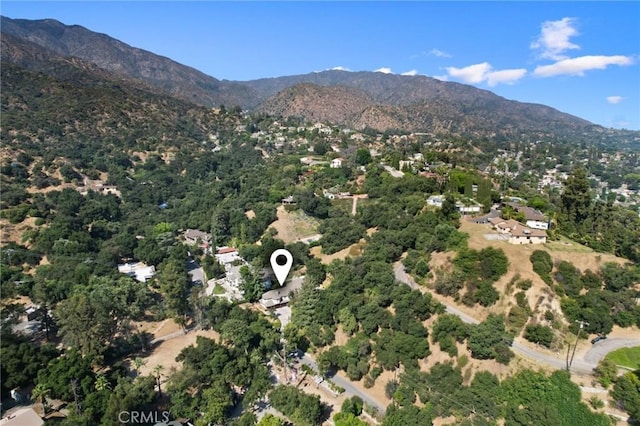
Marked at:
<point>435,200</point>
<point>139,271</point>
<point>336,163</point>
<point>537,224</point>
<point>227,255</point>
<point>474,208</point>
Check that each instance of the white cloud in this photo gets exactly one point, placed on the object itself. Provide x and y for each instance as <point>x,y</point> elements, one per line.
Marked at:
<point>411,73</point>
<point>339,68</point>
<point>577,66</point>
<point>484,72</point>
<point>505,76</point>
<point>472,74</point>
<point>440,54</point>
<point>554,37</point>
<point>384,70</point>
<point>614,99</point>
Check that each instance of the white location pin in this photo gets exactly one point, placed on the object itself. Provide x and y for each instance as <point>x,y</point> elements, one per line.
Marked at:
<point>281,261</point>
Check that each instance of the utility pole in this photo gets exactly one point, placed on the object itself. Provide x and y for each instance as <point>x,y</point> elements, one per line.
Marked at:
<point>582,324</point>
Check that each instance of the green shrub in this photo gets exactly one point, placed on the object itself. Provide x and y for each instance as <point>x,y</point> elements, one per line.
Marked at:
<point>540,334</point>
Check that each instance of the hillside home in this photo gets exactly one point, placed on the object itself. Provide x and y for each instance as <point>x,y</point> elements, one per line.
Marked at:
<point>288,200</point>
<point>99,187</point>
<point>503,226</point>
<point>468,209</point>
<point>524,235</point>
<point>517,232</point>
<point>194,237</point>
<point>435,200</point>
<point>227,255</point>
<point>140,271</point>
<point>534,218</point>
<point>336,163</point>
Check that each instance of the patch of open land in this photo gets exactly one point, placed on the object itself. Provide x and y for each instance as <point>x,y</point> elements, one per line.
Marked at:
<point>292,226</point>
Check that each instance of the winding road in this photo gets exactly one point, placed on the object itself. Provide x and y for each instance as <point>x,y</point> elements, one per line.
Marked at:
<point>583,366</point>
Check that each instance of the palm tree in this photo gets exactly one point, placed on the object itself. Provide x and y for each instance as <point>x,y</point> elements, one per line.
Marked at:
<point>157,372</point>
<point>102,383</point>
<point>138,363</point>
<point>40,393</point>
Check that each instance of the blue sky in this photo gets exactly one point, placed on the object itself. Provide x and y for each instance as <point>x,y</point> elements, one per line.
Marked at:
<point>582,58</point>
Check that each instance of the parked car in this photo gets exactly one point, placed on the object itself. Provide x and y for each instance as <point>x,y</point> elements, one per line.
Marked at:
<point>597,339</point>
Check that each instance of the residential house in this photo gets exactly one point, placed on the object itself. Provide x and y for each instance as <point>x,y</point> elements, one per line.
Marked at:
<point>517,232</point>
<point>194,237</point>
<point>336,163</point>
<point>468,209</point>
<point>534,218</point>
<point>435,200</point>
<point>288,200</point>
<point>140,271</point>
<point>227,255</point>
<point>524,235</point>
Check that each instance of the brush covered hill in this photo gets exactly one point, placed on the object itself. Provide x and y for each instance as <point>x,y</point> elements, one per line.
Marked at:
<point>410,103</point>
<point>113,55</point>
<point>358,99</point>
<point>59,104</point>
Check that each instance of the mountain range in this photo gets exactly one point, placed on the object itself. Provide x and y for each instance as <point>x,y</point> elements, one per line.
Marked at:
<point>356,99</point>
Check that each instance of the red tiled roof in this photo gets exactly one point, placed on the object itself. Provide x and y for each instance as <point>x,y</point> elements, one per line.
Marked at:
<point>226,250</point>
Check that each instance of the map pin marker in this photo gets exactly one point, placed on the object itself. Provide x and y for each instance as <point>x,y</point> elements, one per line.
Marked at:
<point>281,261</point>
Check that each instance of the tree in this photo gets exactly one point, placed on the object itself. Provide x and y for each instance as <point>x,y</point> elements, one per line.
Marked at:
<point>489,339</point>
<point>271,420</point>
<point>218,401</point>
<point>86,323</point>
<point>409,415</point>
<point>626,393</point>
<point>363,157</point>
<point>138,363</point>
<point>352,405</point>
<point>102,383</point>
<point>540,334</point>
<point>606,372</point>
<point>347,419</point>
<point>576,198</point>
<point>542,265</point>
<point>174,284</point>
<point>40,393</point>
<point>22,360</point>
<point>449,210</point>
<point>157,373</point>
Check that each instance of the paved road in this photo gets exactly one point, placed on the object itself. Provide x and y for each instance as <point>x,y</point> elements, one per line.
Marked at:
<point>600,349</point>
<point>581,366</point>
<point>349,388</point>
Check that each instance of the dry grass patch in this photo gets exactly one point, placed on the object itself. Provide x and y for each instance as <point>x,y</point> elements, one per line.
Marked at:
<point>292,226</point>
<point>520,266</point>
